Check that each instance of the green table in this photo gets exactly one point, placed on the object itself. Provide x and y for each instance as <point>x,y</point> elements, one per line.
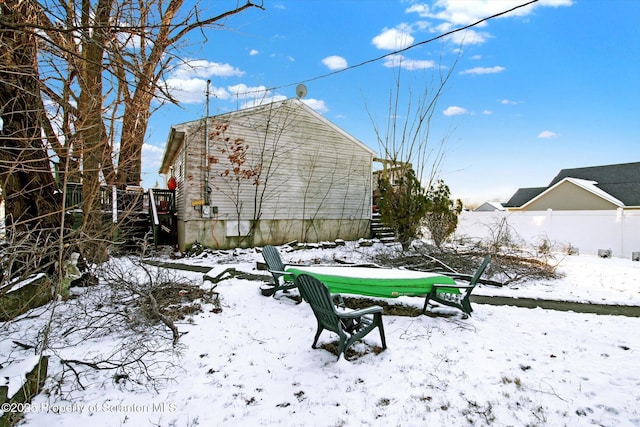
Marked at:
<point>374,282</point>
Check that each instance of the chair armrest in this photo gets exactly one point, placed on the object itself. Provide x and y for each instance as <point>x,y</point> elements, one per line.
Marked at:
<point>338,300</point>
<point>361,312</point>
<point>460,276</point>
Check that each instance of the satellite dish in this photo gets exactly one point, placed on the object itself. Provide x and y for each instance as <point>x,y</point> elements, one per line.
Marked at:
<point>301,91</point>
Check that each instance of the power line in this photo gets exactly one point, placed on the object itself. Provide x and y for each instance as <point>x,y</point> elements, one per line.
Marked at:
<point>369,61</point>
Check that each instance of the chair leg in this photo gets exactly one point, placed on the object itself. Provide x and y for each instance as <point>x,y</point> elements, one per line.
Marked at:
<point>466,305</point>
<point>426,302</point>
<point>318,332</point>
<point>342,348</point>
<point>381,328</point>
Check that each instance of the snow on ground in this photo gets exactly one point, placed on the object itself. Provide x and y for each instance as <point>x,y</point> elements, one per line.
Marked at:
<point>588,278</point>
<point>252,363</point>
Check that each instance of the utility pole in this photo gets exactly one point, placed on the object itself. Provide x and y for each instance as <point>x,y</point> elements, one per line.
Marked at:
<point>206,149</point>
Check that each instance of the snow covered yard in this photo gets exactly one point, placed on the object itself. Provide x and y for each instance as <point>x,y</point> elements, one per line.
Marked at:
<point>252,363</point>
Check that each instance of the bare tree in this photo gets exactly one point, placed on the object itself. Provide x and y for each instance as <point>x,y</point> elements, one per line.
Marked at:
<point>84,74</point>
<point>77,78</point>
<point>158,29</point>
<point>28,186</point>
<point>410,159</point>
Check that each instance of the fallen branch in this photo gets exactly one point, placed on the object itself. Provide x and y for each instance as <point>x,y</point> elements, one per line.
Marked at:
<point>164,319</point>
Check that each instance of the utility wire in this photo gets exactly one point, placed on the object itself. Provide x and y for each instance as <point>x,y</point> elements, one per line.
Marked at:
<point>369,61</point>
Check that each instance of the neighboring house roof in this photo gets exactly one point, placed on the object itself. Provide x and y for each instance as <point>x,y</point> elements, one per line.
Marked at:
<point>621,181</point>
<point>176,135</point>
<point>489,207</point>
<point>618,184</point>
<point>522,196</point>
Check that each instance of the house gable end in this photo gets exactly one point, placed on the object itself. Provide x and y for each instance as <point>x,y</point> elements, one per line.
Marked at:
<point>573,194</point>
<point>302,108</point>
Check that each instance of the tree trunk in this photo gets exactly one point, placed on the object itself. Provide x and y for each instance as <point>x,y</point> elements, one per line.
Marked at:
<point>32,206</point>
<point>91,131</point>
<point>148,70</point>
<point>134,127</point>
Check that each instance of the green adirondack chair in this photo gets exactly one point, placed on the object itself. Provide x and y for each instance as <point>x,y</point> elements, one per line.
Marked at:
<point>457,295</point>
<point>281,279</point>
<point>350,326</point>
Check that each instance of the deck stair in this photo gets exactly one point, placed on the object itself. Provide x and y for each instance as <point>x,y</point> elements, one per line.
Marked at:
<point>133,231</point>
<point>380,231</point>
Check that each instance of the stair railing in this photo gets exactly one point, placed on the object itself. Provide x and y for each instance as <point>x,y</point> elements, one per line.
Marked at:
<point>155,220</point>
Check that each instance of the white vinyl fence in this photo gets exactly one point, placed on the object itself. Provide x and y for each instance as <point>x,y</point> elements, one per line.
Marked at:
<point>586,231</point>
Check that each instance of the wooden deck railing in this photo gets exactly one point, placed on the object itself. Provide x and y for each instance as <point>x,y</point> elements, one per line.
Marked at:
<point>133,199</point>
<point>158,204</point>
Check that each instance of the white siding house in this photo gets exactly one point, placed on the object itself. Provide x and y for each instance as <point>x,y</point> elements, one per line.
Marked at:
<point>274,173</point>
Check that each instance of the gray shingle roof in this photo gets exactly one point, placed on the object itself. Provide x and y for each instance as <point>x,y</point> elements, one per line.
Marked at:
<point>522,196</point>
<point>622,181</point>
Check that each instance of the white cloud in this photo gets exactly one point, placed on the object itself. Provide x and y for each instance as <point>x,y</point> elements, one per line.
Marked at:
<point>487,112</point>
<point>443,27</point>
<point>394,38</point>
<point>253,52</point>
<point>316,104</point>
<point>152,155</point>
<point>420,8</point>
<point>201,68</point>
<point>455,111</point>
<point>191,91</point>
<point>188,82</point>
<point>242,91</point>
<point>128,40</point>
<point>469,37</point>
<point>335,62</point>
<point>484,70</point>
<point>151,160</point>
<point>509,102</point>
<point>459,13</point>
<point>395,61</point>
<point>219,92</point>
<point>547,134</point>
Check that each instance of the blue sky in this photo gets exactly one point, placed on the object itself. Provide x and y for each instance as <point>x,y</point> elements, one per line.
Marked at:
<point>550,86</point>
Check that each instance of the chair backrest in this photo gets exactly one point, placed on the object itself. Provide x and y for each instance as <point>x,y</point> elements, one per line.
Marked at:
<point>317,295</point>
<point>480,270</point>
<point>272,258</point>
